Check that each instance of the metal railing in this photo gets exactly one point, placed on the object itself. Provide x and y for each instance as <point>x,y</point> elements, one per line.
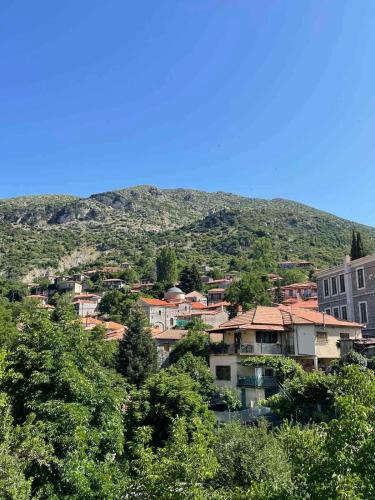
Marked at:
<point>253,381</point>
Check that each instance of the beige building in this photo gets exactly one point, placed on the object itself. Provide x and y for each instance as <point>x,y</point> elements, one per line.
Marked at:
<point>310,337</point>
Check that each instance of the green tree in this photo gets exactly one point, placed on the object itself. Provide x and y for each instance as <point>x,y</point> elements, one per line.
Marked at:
<point>198,370</point>
<point>291,276</point>
<point>360,248</point>
<point>250,291</point>
<point>195,342</point>
<point>357,248</point>
<point>181,469</point>
<point>55,378</point>
<point>163,397</point>
<point>116,305</point>
<point>166,266</point>
<point>263,255</point>
<point>251,458</point>
<point>190,279</point>
<point>137,357</point>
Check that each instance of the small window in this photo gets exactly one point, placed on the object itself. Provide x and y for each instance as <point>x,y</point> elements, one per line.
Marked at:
<point>360,279</point>
<point>268,372</point>
<point>223,372</point>
<point>166,347</point>
<point>266,337</point>
<point>171,321</point>
<point>321,336</point>
<point>344,336</point>
<point>159,312</point>
<point>363,312</point>
<point>327,311</point>
<point>342,283</point>
<point>344,313</point>
<point>334,285</point>
<point>336,312</point>
<point>326,288</point>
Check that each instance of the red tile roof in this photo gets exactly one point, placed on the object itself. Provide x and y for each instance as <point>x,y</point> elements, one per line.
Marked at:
<point>198,305</point>
<point>156,302</point>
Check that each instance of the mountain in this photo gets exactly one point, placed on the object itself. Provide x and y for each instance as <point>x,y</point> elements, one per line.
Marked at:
<point>59,232</point>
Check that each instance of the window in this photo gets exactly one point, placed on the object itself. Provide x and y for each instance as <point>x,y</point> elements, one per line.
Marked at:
<point>336,312</point>
<point>268,372</point>
<point>159,312</point>
<point>266,337</point>
<point>344,312</point>
<point>342,283</point>
<point>363,312</point>
<point>344,336</point>
<point>360,279</point>
<point>171,321</point>
<point>166,347</point>
<point>334,285</point>
<point>321,336</point>
<point>327,311</point>
<point>326,288</point>
<point>223,372</point>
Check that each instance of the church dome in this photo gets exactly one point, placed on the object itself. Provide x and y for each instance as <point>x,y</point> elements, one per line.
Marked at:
<point>174,294</point>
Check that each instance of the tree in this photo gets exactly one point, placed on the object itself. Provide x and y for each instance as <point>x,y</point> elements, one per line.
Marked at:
<point>250,291</point>
<point>180,470</point>
<point>357,249</point>
<point>116,305</point>
<point>190,279</point>
<point>166,266</point>
<point>137,358</point>
<point>55,379</point>
<point>195,342</point>
<point>251,458</point>
<point>263,255</point>
<point>197,369</point>
<point>278,294</point>
<point>163,397</point>
<point>291,276</point>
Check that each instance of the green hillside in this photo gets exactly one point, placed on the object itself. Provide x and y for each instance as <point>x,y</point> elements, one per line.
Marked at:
<point>47,232</point>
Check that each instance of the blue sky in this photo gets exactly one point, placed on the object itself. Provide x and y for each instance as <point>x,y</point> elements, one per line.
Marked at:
<point>265,98</point>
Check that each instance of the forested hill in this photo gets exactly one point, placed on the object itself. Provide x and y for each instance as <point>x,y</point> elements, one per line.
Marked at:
<point>57,232</point>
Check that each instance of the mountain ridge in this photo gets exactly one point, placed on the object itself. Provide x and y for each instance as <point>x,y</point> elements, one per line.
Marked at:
<point>40,232</point>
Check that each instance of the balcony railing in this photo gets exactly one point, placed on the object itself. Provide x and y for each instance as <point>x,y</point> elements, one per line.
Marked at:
<point>253,381</point>
<point>244,349</point>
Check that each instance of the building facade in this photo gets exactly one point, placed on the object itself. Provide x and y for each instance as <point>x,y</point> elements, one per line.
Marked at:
<point>348,292</point>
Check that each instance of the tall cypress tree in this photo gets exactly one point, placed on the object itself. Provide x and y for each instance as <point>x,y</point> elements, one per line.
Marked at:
<point>166,266</point>
<point>360,248</point>
<point>190,279</point>
<point>354,248</point>
<point>137,358</point>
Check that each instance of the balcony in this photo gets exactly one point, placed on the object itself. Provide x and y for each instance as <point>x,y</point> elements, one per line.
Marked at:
<point>244,349</point>
<point>253,381</point>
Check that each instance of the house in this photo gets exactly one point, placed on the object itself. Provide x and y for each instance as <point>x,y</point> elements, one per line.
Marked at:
<point>215,295</point>
<point>159,313</point>
<point>114,331</point>
<point>64,284</point>
<point>113,284</point>
<point>85,307</point>
<point>310,337</point>
<point>196,297</point>
<point>298,290</point>
<point>348,292</point>
<point>212,316</point>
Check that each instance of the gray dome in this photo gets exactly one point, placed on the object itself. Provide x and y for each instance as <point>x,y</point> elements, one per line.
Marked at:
<point>174,289</point>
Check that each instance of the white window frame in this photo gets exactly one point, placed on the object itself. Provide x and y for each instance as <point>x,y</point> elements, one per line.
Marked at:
<point>337,288</point>
<point>360,312</point>
<point>326,311</point>
<point>364,280</point>
<point>338,312</point>
<point>342,292</point>
<point>342,316</point>
<point>324,287</point>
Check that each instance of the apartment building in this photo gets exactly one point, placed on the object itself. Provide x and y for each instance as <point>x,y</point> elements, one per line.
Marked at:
<point>348,292</point>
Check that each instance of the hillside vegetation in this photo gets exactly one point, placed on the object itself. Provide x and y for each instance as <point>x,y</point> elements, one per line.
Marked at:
<point>41,232</point>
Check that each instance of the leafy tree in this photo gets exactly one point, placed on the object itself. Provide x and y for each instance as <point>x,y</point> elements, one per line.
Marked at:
<point>166,266</point>
<point>180,470</point>
<point>252,459</point>
<point>278,294</point>
<point>117,305</point>
<point>190,279</point>
<point>55,378</point>
<point>291,276</point>
<point>137,357</point>
<point>250,291</point>
<point>263,255</point>
<point>163,397</point>
<point>195,342</point>
<point>8,328</point>
<point>198,370</point>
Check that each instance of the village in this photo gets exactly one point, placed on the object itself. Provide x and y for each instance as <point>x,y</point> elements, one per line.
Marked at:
<point>314,322</point>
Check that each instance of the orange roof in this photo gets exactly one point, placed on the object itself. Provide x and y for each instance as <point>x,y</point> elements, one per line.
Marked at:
<point>156,302</point>
<point>281,318</point>
<point>194,294</point>
<point>302,304</point>
<point>198,305</point>
<point>216,290</point>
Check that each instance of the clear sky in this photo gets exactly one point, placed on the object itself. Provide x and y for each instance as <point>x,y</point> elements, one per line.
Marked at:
<point>265,98</point>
